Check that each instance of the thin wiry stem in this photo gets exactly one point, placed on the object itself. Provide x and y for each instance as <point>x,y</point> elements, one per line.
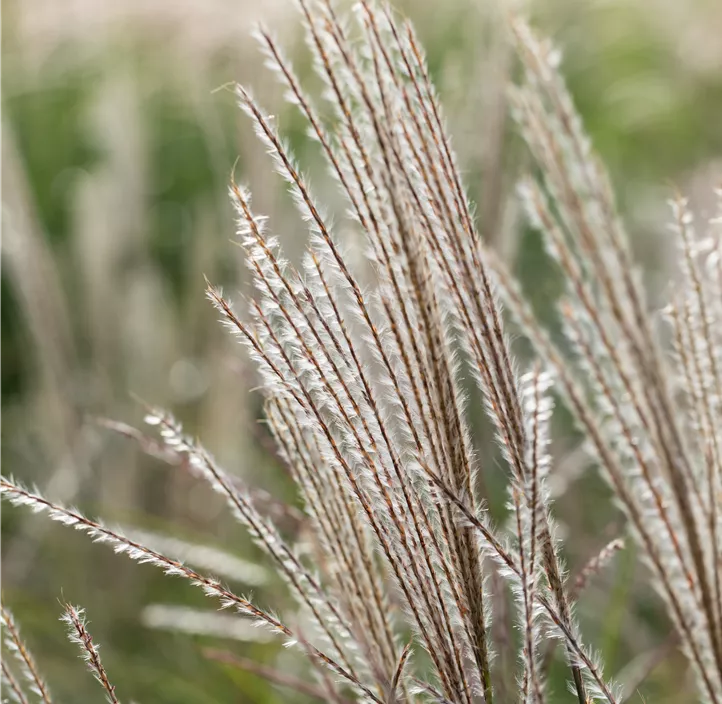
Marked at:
<point>78,633</point>
<point>595,565</point>
<point>15,690</point>
<point>15,644</point>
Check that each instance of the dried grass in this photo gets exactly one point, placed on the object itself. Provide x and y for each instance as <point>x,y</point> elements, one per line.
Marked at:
<point>364,394</point>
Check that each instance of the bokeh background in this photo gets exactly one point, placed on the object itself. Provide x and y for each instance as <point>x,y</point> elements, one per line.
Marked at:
<point>116,153</point>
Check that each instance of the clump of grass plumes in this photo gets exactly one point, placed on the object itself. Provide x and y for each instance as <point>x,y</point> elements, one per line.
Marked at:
<point>363,392</point>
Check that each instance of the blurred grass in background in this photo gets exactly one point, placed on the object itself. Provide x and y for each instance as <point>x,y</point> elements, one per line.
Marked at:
<point>116,157</point>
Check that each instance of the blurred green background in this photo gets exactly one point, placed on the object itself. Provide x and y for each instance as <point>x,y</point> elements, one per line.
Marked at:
<point>116,154</point>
